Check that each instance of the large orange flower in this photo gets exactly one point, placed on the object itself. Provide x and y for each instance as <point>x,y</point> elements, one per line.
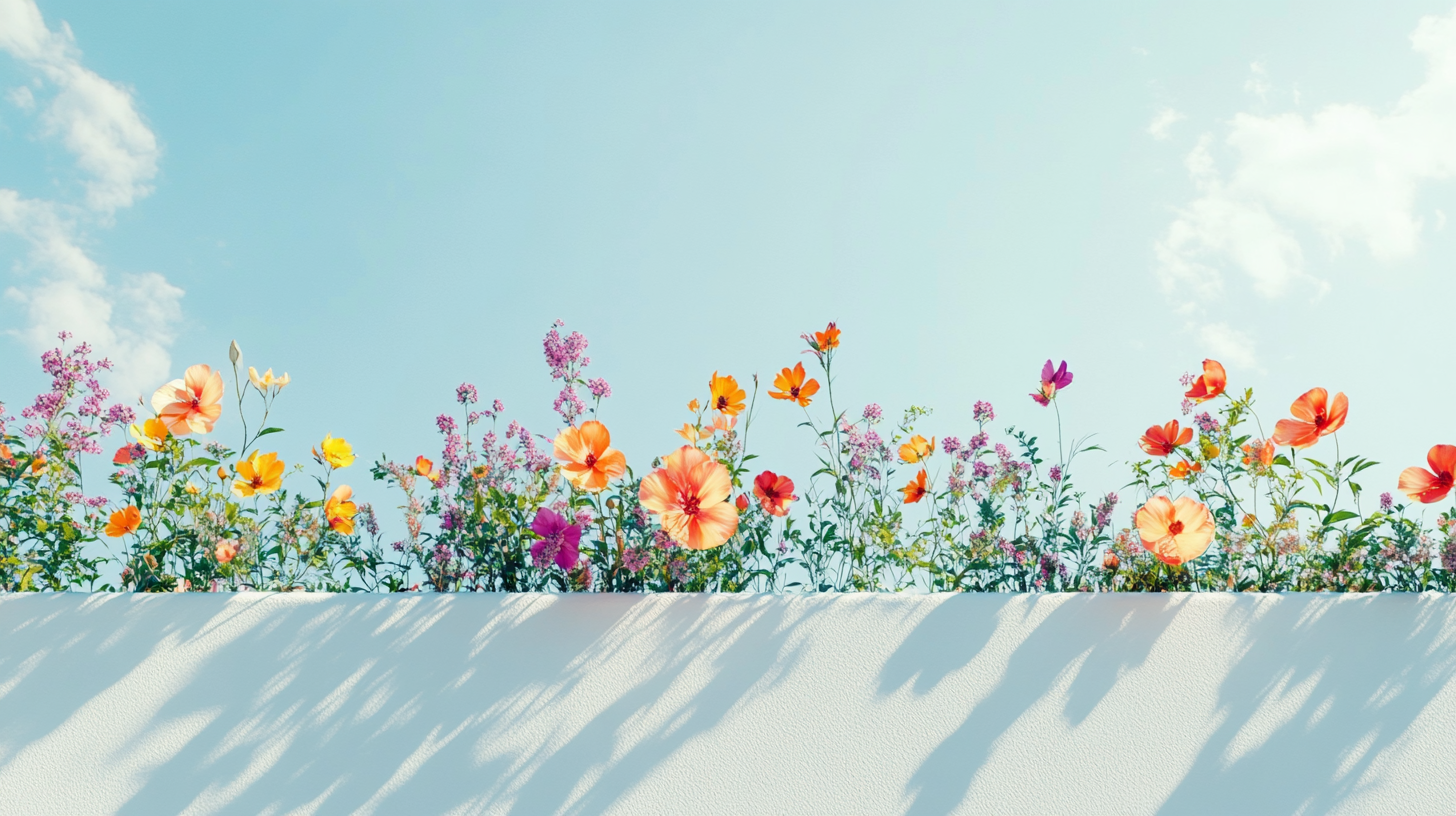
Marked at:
<point>123,521</point>
<point>727,396</point>
<point>590,463</point>
<point>259,474</point>
<point>1426,487</point>
<point>917,448</point>
<point>1176,532</point>
<point>339,510</point>
<point>1209,384</point>
<point>1163,440</point>
<point>916,489</point>
<point>1316,416</point>
<point>689,494</point>
<point>791,386</point>
<point>191,404</point>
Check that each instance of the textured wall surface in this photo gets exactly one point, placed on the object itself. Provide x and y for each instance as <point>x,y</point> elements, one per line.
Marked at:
<point>303,703</point>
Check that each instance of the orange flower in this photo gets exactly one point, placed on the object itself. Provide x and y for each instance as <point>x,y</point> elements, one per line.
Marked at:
<point>192,404</point>
<point>693,405</point>
<point>916,449</point>
<point>1261,451</point>
<point>123,521</point>
<point>690,496</point>
<point>1317,416</point>
<point>724,424</point>
<point>427,469</point>
<point>226,550</point>
<point>727,396</point>
<point>1183,468</point>
<point>1209,384</point>
<point>123,456</point>
<point>1426,487</point>
<point>259,474</point>
<point>590,463</point>
<point>774,492</point>
<point>915,490</point>
<point>37,464</point>
<point>827,340</point>
<point>1176,532</point>
<point>792,386</point>
<point>340,511</point>
<point>692,434</point>
<point>1162,441</point>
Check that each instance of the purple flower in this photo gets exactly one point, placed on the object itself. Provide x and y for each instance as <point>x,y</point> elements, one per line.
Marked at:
<point>560,542</point>
<point>466,394</point>
<point>983,412</point>
<point>950,444</point>
<point>635,559</point>
<point>1386,502</point>
<point>980,440</point>
<point>1055,473</point>
<point>872,412</point>
<point>1052,381</point>
<point>599,388</point>
<point>445,423</point>
<point>1206,423</point>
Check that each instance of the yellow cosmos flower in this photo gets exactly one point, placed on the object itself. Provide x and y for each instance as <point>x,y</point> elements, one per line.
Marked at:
<point>692,434</point>
<point>259,474</point>
<point>335,452</point>
<point>152,434</point>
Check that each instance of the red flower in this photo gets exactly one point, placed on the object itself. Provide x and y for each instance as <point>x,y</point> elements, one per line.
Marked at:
<point>1426,487</point>
<point>1317,416</point>
<point>774,492</point>
<point>1162,441</point>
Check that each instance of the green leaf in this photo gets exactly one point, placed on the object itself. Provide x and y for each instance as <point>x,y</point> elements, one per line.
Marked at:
<point>267,431</point>
<point>1339,516</point>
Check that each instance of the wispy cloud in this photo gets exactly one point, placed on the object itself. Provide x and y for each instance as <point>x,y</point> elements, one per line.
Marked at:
<point>116,153</point>
<point>1162,123</point>
<point>1348,174</point>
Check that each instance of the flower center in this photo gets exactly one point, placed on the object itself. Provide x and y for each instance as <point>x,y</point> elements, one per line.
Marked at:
<point>1175,528</point>
<point>690,505</point>
<point>722,404</point>
<point>591,459</point>
<point>794,392</point>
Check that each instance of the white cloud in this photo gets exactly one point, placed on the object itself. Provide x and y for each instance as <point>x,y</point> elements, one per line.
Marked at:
<point>1258,82</point>
<point>116,153</point>
<point>1347,173</point>
<point>1228,345</point>
<point>1166,118</point>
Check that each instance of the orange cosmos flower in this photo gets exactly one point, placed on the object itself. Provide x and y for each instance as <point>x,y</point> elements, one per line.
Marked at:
<point>792,386</point>
<point>37,464</point>
<point>1162,441</point>
<point>226,550</point>
<point>1183,468</point>
<point>916,489</point>
<point>151,434</point>
<point>1209,384</point>
<point>590,462</point>
<point>192,404</point>
<point>724,424</point>
<point>916,449</point>
<point>1176,532</point>
<point>259,474</point>
<point>690,495</point>
<point>123,521</point>
<point>727,396</point>
<point>774,492</point>
<point>340,511</point>
<point>426,468</point>
<point>1426,487</point>
<point>1316,416</point>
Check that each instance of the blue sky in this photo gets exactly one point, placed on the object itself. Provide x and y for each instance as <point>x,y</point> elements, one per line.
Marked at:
<point>386,200</point>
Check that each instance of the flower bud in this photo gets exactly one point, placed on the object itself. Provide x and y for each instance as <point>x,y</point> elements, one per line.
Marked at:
<point>234,353</point>
<point>1110,561</point>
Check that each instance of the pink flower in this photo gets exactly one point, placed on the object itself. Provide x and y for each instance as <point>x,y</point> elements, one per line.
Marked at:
<point>560,542</point>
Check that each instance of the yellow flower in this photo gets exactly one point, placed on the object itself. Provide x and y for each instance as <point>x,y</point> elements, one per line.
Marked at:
<point>258,474</point>
<point>152,434</point>
<point>266,380</point>
<point>336,452</point>
<point>192,489</point>
<point>340,511</point>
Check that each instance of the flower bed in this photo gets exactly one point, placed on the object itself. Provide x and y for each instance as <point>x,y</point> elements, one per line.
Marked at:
<point>833,703</point>
<point>1219,505</point>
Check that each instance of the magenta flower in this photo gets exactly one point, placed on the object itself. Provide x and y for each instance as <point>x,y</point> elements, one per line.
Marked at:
<point>560,542</point>
<point>1052,379</point>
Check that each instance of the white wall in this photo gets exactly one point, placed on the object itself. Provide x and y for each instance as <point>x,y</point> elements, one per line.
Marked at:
<point>717,704</point>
